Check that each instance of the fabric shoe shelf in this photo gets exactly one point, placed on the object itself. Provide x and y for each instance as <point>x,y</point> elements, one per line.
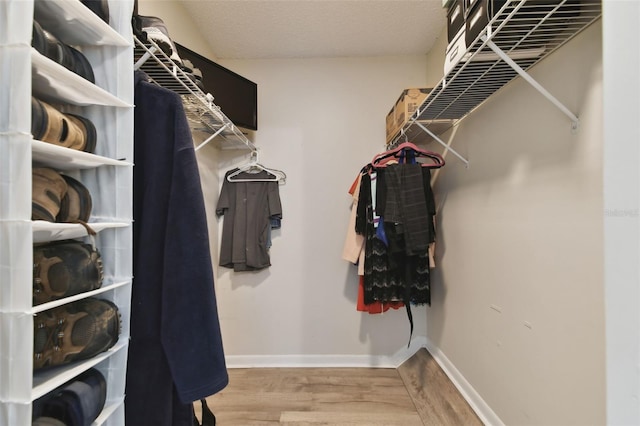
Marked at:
<point>519,35</point>
<point>208,122</point>
<point>107,174</point>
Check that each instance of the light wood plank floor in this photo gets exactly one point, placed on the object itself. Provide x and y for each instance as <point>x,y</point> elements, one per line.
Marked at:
<point>437,400</point>
<point>337,396</point>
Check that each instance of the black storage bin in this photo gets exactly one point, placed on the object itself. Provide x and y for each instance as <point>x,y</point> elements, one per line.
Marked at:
<point>455,19</point>
<point>480,12</point>
<point>469,4</point>
<point>478,17</point>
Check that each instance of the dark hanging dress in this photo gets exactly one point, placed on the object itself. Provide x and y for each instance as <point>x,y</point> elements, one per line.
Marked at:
<point>396,266</point>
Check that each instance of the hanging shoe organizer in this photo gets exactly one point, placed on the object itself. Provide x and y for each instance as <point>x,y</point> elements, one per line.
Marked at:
<point>107,174</point>
<point>518,36</point>
<point>205,117</point>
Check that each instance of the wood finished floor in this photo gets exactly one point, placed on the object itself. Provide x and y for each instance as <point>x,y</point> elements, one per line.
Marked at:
<point>417,393</point>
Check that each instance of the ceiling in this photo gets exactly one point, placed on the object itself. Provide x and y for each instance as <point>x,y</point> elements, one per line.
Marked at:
<point>260,29</point>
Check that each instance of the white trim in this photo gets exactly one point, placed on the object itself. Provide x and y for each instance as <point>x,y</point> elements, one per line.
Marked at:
<point>621,189</point>
<point>481,408</point>
<point>327,361</point>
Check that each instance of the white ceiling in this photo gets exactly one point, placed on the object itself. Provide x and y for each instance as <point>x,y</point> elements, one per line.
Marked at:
<point>258,29</point>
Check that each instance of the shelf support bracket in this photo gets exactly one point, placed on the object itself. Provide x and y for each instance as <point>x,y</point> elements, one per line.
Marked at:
<point>446,146</point>
<point>532,82</point>
<point>144,58</point>
<point>210,138</point>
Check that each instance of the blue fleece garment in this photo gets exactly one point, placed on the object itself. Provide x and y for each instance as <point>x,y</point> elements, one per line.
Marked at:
<point>175,353</point>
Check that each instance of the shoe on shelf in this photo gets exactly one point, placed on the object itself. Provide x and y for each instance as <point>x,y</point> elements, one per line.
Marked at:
<point>193,73</point>
<point>48,124</point>
<point>48,188</point>
<point>59,198</point>
<point>76,403</point>
<point>76,205</point>
<point>75,331</point>
<point>156,30</point>
<point>64,268</point>
<point>48,45</point>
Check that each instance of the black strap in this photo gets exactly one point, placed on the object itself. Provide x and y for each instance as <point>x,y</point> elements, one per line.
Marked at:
<point>208,418</point>
<point>410,316</point>
<point>409,264</point>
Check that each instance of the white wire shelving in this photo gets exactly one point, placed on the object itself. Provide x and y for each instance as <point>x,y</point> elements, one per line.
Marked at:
<point>519,35</point>
<point>204,116</point>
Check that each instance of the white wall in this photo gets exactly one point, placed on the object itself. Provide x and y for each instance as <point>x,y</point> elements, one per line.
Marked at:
<point>179,24</point>
<point>320,120</point>
<point>621,24</point>
<point>518,303</point>
<point>520,230</point>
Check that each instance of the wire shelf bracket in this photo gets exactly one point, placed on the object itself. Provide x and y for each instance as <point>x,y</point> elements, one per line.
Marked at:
<point>447,146</point>
<point>526,76</point>
<point>203,114</point>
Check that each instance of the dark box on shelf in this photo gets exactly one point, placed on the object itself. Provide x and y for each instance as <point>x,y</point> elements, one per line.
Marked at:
<point>478,17</point>
<point>455,18</point>
<point>480,12</point>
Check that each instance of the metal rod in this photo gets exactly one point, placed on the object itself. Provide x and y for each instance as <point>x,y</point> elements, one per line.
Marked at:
<point>446,146</point>
<point>531,81</point>
<point>207,140</point>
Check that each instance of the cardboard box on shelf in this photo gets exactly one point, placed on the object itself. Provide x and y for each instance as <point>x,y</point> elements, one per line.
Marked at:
<point>403,109</point>
<point>392,124</point>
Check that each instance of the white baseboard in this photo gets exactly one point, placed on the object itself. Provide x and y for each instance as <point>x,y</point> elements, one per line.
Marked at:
<point>474,399</point>
<point>481,408</point>
<point>327,361</point>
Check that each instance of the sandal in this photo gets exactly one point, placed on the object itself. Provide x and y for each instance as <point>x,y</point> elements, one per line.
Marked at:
<point>48,188</point>
<point>76,205</point>
<point>69,130</point>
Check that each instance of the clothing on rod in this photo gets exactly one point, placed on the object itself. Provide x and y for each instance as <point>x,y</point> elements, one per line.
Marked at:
<point>175,352</point>
<point>395,216</point>
<point>250,204</point>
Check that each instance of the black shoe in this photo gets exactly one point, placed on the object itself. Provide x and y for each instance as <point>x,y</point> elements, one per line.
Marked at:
<point>77,403</point>
<point>48,45</point>
<point>156,30</point>
<point>193,73</point>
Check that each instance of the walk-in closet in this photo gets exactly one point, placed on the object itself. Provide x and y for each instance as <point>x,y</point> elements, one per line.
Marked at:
<point>475,264</point>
